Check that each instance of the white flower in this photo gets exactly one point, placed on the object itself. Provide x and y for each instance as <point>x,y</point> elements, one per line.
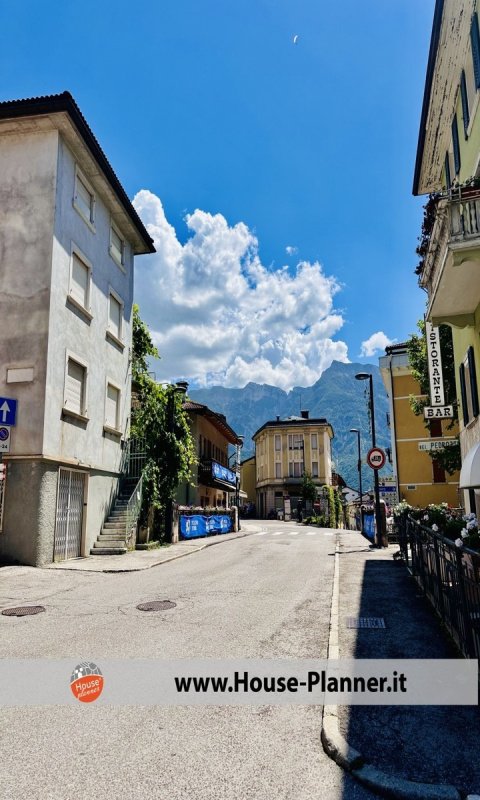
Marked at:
<point>434,527</point>
<point>458,543</point>
<point>464,533</point>
<point>471,525</point>
<point>425,517</point>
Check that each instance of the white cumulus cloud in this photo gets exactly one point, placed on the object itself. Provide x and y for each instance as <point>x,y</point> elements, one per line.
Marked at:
<point>217,314</point>
<point>375,342</point>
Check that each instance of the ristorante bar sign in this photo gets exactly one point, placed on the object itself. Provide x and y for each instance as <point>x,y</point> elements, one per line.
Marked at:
<point>221,473</point>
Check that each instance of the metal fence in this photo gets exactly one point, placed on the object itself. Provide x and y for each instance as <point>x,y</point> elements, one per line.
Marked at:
<point>450,578</point>
<point>134,458</point>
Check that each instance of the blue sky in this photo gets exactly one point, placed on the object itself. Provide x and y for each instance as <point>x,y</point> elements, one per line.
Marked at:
<point>243,144</point>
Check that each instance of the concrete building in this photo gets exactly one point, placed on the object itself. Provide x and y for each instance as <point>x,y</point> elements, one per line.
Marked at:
<point>248,479</point>
<point>448,165</point>
<point>68,237</point>
<point>215,481</point>
<point>284,450</point>
<point>420,480</point>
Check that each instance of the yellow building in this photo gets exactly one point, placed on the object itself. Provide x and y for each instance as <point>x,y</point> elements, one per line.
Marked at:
<point>284,450</point>
<point>448,164</point>
<point>248,480</point>
<point>420,479</point>
<point>215,482</point>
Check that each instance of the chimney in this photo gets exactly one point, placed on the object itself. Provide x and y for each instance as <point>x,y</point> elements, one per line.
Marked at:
<point>304,414</point>
<point>278,418</point>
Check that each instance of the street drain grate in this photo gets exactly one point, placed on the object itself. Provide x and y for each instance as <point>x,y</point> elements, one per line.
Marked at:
<point>365,622</point>
<point>156,605</point>
<point>22,611</point>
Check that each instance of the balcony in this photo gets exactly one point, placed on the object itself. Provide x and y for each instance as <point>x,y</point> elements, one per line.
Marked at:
<point>451,270</point>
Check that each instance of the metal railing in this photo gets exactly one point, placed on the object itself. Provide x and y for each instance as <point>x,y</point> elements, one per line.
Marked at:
<point>450,578</point>
<point>134,458</point>
<point>134,507</point>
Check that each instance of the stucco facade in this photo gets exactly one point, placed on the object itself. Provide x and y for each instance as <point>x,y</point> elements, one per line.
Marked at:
<point>212,435</point>
<point>284,450</point>
<point>418,482</point>
<point>54,347</point>
<point>447,164</point>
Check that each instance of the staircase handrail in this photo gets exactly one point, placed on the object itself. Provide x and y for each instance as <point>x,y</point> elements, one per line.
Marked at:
<point>134,506</point>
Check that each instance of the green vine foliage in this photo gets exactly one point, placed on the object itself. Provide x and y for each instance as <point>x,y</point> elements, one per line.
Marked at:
<point>449,458</point>
<point>429,215</point>
<point>338,508</point>
<point>158,417</point>
<point>309,489</point>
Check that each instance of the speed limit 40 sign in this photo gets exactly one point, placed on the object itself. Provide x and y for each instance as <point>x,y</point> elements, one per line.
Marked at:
<point>376,458</point>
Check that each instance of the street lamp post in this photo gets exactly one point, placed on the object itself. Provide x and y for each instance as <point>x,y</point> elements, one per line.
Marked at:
<point>359,466</point>
<point>363,376</point>
<point>239,446</point>
<point>179,388</point>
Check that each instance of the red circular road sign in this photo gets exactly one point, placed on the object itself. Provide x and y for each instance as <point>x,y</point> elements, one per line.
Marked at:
<point>376,458</point>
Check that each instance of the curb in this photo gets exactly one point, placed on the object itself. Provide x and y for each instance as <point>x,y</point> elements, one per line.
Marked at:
<point>124,570</point>
<point>338,749</point>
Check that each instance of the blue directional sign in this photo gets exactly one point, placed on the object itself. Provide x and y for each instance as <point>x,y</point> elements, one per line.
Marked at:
<point>8,411</point>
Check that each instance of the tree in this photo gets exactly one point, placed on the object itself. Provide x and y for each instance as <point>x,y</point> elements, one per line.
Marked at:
<point>449,458</point>
<point>158,417</point>
<point>309,489</point>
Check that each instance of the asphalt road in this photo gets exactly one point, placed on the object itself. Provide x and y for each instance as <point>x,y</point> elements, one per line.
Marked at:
<point>265,595</point>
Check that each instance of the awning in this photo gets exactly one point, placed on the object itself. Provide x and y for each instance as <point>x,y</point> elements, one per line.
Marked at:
<point>470,472</point>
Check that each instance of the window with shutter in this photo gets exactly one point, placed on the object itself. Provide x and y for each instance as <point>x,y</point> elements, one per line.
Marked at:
<point>473,381</point>
<point>84,199</point>
<point>438,472</point>
<point>475,40</point>
<point>463,392</point>
<point>80,282</point>
<point>448,177</point>
<point>456,145</point>
<point>112,407</point>
<point>75,387</point>
<point>115,317</point>
<point>465,109</point>
<point>117,246</point>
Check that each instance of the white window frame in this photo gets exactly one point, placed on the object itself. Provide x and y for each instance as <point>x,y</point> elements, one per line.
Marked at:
<point>313,472</point>
<point>278,440</point>
<point>119,340</point>
<point>278,469</point>
<point>90,221</point>
<point>70,356</point>
<point>120,262</point>
<point>296,437</point>
<point>86,310</point>
<point>314,437</point>
<point>117,431</point>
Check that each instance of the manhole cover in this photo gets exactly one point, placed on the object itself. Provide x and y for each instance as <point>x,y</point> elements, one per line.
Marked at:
<point>365,622</point>
<point>22,611</point>
<point>156,605</point>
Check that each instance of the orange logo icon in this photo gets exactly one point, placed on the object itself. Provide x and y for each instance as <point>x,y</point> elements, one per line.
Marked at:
<point>86,682</point>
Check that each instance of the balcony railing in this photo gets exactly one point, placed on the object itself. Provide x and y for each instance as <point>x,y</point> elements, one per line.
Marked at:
<point>457,220</point>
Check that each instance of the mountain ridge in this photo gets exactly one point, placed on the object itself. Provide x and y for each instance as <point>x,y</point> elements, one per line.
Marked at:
<point>335,395</point>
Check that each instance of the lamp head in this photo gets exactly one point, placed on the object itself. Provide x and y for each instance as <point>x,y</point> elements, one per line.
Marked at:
<point>362,376</point>
<point>354,430</point>
<point>181,387</point>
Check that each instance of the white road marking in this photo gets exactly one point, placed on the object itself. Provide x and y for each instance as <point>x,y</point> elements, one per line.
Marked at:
<point>312,533</point>
<point>278,533</point>
<point>294,533</point>
<point>262,533</point>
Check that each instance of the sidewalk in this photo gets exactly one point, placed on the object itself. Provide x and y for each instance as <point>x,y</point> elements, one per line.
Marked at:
<point>137,560</point>
<point>426,744</point>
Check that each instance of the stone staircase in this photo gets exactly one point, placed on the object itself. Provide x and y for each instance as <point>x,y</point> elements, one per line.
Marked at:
<point>112,539</point>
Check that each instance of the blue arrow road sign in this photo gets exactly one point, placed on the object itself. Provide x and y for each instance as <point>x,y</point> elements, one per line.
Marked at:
<point>8,411</point>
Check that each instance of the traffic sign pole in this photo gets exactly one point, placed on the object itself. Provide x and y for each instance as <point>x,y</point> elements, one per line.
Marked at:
<point>378,513</point>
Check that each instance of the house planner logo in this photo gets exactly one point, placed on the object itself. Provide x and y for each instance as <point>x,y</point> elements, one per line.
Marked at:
<point>86,682</point>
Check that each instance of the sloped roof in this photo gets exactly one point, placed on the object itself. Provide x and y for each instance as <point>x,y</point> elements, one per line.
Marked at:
<point>64,102</point>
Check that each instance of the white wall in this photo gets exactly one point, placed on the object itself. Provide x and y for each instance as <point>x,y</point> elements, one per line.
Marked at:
<point>65,437</point>
<point>28,165</point>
